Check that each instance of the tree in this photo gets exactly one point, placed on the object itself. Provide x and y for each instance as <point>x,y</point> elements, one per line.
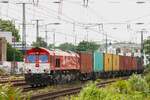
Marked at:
<point>87,46</point>
<point>50,46</point>
<point>147,47</point>
<point>67,46</point>
<point>39,43</point>
<point>10,54</point>
<point>6,25</point>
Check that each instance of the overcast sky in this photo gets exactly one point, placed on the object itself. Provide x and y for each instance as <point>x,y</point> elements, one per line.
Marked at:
<point>118,18</point>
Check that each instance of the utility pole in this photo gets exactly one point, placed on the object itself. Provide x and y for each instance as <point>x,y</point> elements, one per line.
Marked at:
<point>35,2</point>
<point>142,44</point>
<point>75,38</point>
<point>87,35</point>
<point>14,57</point>
<point>46,37</point>
<point>46,34</point>
<point>85,3</point>
<point>23,26</point>
<point>14,53</point>
<point>37,29</point>
<point>86,28</point>
<point>60,5</point>
<point>106,40</point>
<point>54,39</point>
<point>46,40</point>
<point>106,43</point>
<point>100,29</point>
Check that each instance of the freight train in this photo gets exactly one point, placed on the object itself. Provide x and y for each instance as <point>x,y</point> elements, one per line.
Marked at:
<point>43,66</point>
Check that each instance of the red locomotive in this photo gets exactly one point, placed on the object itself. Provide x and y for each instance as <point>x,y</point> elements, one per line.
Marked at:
<point>44,66</point>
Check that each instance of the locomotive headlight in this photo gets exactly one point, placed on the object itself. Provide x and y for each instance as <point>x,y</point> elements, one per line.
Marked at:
<point>29,71</point>
<point>46,70</point>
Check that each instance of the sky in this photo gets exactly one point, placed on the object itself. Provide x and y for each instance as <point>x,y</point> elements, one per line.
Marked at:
<point>118,17</point>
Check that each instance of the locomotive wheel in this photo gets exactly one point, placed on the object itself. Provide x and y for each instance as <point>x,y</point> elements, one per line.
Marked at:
<point>33,85</point>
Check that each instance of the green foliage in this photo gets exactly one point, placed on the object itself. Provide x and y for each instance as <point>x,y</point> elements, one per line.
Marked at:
<point>147,47</point>
<point>8,92</point>
<point>87,46</point>
<point>147,69</point>
<point>136,88</point>
<point>39,43</point>
<point>6,25</point>
<point>91,92</point>
<point>120,87</point>
<point>10,54</point>
<point>147,76</point>
<point>138,83</point>
<point>50,46</point>
<point>67,46</point>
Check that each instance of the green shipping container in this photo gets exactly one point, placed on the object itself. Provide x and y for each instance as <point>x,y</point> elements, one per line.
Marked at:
<point>98,62</point>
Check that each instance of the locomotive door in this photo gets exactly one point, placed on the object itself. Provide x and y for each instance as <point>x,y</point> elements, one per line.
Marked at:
<point>57,62</point>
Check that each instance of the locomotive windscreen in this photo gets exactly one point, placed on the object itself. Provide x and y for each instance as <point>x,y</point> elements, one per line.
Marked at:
<point>43,58</point>
<point>31,58</point>
<point>40,58</point>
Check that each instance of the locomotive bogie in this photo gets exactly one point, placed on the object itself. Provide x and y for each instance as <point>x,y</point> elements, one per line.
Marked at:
<point>35,79</point>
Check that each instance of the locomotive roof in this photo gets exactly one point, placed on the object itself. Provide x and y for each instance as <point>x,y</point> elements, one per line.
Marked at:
<point>57,52</point>
<point>60,52</point>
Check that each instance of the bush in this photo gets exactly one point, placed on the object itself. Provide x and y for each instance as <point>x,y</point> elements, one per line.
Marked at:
<point>147,69</point>
<point>92,92</point>
<point>138,83</point>
<point>7,92</point>
<point>136,88</point>
<point>120,87</point>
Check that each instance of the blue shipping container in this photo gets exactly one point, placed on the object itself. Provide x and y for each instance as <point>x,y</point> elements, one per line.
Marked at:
<point>98,62</point>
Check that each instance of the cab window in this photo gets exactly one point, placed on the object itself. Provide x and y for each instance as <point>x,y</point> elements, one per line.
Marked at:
<point>43,58</point>
<point>31,58</point>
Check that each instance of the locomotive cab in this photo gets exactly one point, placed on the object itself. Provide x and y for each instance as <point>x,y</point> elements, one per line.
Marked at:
<point>37,66</point>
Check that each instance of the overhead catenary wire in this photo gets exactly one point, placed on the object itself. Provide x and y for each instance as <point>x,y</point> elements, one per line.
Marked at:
<point>66,18</point>
<point>140,17</point>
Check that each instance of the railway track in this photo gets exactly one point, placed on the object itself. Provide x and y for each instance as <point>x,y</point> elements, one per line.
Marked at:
<point>15,83</point>
<point>69,91</point>
<point>51,95</point>
<point>20,84</point>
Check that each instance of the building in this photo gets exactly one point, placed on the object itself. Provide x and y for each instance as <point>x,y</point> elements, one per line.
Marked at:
<point>122,48</point>
<point>7,35</point>
<point>18,46</point>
